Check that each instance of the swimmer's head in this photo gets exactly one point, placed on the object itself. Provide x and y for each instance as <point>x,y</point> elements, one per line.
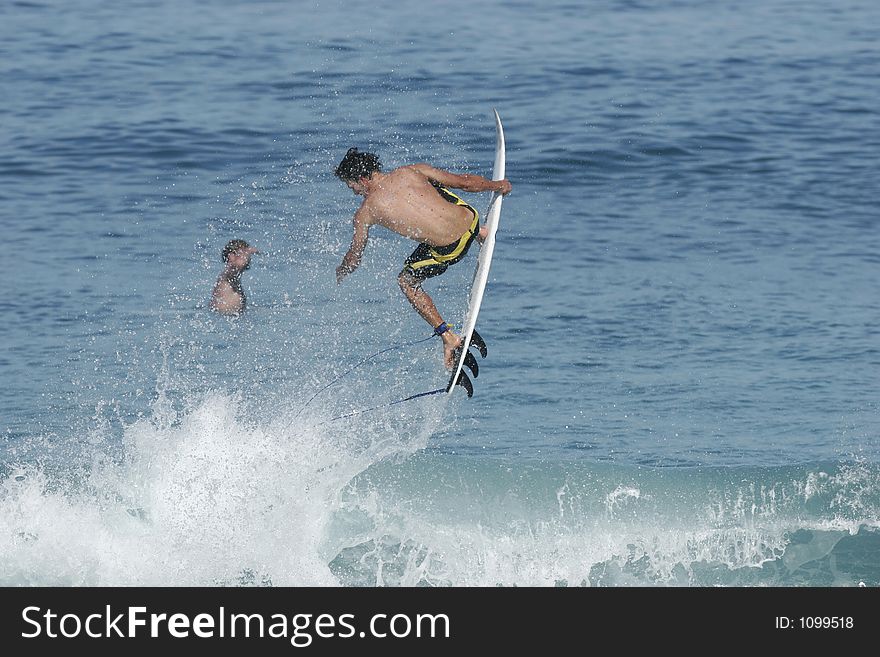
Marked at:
<point>237,248</point>
<point>356,165</point>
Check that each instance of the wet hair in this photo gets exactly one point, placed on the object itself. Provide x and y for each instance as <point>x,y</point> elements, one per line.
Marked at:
<point>356,165</point>
<point>232,246</point>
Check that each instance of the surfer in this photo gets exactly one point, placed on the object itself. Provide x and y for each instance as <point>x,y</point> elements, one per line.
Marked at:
<point>228,297</point>
<point>414,201</point>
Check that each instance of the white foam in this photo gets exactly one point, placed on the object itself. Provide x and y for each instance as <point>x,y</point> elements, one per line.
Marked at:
<point>205,498</point>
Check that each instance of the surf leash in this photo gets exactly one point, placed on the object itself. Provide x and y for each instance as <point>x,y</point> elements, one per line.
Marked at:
<point>375,408</point>
<point>359,364</point>
<point>459,378</point>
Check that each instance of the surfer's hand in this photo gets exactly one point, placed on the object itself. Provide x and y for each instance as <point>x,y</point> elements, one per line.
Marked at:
<point>504,187</point>
<point>349,263</point>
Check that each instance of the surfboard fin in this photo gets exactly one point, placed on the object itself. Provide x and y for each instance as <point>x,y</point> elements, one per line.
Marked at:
<point>465,382</point>
<point>479,343</point>
<point>463,379</point>
<point>471,363</point>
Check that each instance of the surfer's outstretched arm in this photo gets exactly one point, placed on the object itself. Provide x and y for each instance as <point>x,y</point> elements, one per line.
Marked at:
<point>469,182</point>
<point>352,259</point>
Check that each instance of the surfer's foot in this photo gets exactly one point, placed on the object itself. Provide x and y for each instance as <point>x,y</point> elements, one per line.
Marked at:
<point>450,343</point>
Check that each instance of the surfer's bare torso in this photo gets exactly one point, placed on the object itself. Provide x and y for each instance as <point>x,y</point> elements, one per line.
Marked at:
<point>405,201</point>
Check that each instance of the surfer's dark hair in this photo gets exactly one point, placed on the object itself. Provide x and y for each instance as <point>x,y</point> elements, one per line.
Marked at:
<point>356,165</point>
<point>232,246</point>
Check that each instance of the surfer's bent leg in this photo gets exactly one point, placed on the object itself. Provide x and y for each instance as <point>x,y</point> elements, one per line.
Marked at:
<point>411,286</point>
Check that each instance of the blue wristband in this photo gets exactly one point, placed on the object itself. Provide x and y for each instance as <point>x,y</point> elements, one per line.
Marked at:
<point>441,329</point>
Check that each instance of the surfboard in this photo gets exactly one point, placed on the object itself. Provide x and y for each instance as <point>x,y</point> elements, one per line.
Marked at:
<point>469,335</point>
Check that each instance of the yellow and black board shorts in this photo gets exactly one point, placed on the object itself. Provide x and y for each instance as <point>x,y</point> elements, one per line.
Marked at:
<point>428,261</point>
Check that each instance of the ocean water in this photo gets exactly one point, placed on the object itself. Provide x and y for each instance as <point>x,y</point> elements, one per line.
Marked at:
<point>682,313</point>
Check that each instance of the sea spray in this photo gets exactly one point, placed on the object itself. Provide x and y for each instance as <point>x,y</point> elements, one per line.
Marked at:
<point>207,496</point>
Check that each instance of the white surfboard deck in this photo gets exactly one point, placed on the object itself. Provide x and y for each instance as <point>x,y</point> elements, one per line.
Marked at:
<point>484,260</point>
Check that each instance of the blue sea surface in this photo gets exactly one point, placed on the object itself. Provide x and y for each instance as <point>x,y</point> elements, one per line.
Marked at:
<point>682,313</point>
